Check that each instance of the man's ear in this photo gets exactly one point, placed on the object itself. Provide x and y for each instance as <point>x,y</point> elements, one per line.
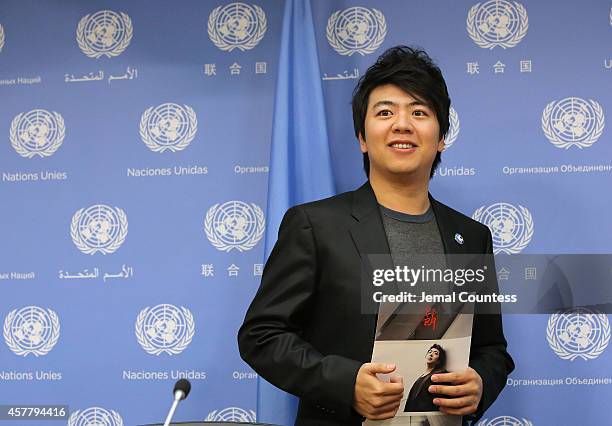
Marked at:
<point>363,147</point>
<point>441,145</point>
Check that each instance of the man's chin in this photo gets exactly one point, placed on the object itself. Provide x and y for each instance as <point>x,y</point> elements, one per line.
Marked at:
<point>407,173</point>
<point>401,173</point>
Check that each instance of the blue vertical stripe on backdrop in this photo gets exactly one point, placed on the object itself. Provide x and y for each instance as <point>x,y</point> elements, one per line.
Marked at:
<point>300,163</point>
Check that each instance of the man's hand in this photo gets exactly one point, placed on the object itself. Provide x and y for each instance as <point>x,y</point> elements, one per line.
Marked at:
<point>466,391</point>
<point>375,399</point>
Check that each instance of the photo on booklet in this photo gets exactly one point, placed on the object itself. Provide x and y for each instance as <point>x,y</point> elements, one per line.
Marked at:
<point>435,342</point>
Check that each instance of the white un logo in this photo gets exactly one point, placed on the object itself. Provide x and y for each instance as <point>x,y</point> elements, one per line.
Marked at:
<point>165,328</point>
<point>511,227</point>
<point>232,414</point>
<point>453,129</point>
<point>234,225</point>
<point>356,30</point>
<point>1,37</point>
<point>168,126</point>
<point>37,133</point>
<point>31,330</point>
<point>95,416</point>
<point>99,228</point>
<point>578,333</point>
<point>573,122</point>
<point>237,26</point>
<point>505,421</point>
<point>105,33</point>
<point>497,23</point>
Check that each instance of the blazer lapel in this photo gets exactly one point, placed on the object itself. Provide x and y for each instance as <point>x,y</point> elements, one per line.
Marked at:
<point>368,234</point>
<point>449,232</point>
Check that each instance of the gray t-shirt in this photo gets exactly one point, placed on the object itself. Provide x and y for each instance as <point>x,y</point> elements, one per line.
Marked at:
<point>411,234</point>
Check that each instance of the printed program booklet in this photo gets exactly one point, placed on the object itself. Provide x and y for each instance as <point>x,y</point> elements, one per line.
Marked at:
<point>435,341</point>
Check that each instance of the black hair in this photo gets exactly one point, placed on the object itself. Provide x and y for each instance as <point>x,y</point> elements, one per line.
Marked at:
<point>413,71</point>
<point>441,357</point>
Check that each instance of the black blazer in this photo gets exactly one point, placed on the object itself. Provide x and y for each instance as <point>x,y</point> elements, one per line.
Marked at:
<point>305,332</point>
<point>419,398</point>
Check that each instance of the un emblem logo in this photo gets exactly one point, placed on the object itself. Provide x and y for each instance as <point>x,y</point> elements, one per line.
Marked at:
<point>37,132</point>
<point>95,416</point>
<point>99,228</point>
<point>1,37</point>
<point>31,330</point>
<point>505,421</point>
<point>578,333</point>
<point>234,225</point>
<point>232,414</point>
<point>453,129</point>
<point>497,23</point>
<point>165,328</point>
<point>356,30</point>
<point>105,33</point>
<point>237,26</point>
<point>573,122</point>
<point>511,227</point>
<point>168,127</point>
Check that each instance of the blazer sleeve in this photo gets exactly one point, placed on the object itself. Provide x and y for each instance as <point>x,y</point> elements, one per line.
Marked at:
<point>488,355</point>
<point>272,339</point>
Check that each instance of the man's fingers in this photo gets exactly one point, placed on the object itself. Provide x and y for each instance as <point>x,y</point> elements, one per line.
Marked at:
<point>374,398</point>
<point>450,377</point>
<point>466,401</point>
<point>396,379</point>
<point>392,389</point>
<point>379,402</point>
<point>384,407</point>
<point>381,388</point>
<point>378,367</point>
<point>456,376</point>
<point>385,412</point>
<point>457,390</point>
<point>466,392</point>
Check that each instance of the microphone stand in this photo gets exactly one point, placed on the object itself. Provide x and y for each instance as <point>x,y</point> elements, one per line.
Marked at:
<point>178,395</point>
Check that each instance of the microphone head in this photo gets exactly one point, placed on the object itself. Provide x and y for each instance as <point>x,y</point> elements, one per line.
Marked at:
<point>182,385</point>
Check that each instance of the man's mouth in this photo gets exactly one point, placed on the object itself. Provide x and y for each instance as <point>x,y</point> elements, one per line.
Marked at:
<point>402,145</point>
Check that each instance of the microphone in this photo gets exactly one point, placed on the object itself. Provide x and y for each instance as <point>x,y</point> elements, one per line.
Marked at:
<point>181,390</point>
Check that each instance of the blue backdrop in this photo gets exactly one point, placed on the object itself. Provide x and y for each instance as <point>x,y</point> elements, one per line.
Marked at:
<point>134,174</point>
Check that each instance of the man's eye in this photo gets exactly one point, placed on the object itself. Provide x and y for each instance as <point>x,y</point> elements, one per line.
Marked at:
<point>384,113</point>
<point>419,113</point>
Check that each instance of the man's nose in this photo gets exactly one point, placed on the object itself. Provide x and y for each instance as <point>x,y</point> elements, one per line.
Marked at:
<point>403,123</point>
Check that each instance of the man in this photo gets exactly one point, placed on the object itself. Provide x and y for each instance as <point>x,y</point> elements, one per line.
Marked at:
<point>419,398</point>
<point>305,330</point>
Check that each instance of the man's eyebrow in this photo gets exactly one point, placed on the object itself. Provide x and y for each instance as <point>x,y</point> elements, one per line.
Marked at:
<point>416,102</point>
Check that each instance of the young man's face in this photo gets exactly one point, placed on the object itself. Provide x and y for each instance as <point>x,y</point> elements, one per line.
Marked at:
<point>402,134</point>
<point>432,356</point>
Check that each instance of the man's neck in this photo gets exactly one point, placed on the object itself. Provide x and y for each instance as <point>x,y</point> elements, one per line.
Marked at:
<point>405,195</point>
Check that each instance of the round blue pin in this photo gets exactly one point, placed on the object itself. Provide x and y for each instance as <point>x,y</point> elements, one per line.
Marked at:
<point>458,238</point>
